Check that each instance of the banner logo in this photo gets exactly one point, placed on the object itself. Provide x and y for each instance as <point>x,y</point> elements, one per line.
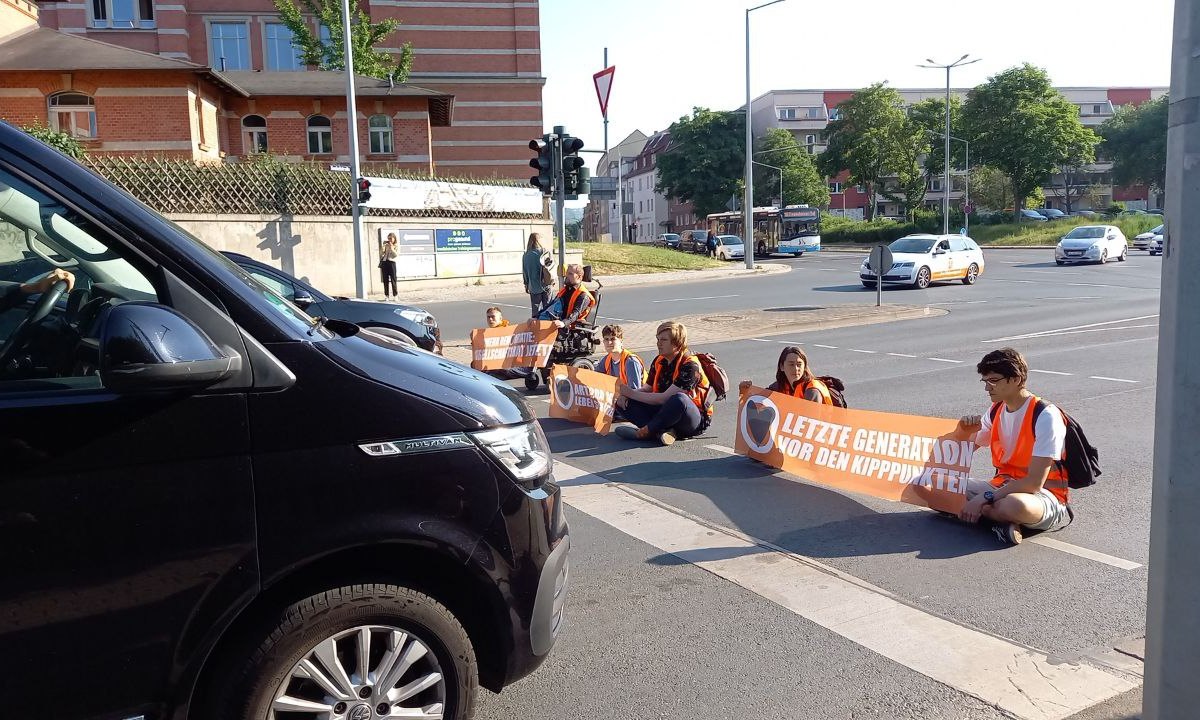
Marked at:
<point>564,390</point>
<point>760,423</point>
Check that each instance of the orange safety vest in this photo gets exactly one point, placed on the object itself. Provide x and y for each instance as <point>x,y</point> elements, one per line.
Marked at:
<point>570,306</point>
<point>1017,465</point>
<point>606,368</point>
<point>699,395</point>
<point>802,388</point>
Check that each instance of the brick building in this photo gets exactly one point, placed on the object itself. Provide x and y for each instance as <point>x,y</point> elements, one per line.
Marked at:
<point>227,79</point>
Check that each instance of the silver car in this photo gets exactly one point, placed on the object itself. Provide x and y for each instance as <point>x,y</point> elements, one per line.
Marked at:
<point>1092,244</point>
<point>1142,241</point>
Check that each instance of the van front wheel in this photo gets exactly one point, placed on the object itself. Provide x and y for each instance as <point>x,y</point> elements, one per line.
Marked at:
<point>359,651</point>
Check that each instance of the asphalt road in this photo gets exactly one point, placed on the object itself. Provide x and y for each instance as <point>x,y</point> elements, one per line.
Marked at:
<point>654,631</point>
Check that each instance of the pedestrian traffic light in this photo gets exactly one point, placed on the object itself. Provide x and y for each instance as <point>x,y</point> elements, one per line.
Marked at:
<point>543,163</point>
<point>572,167</point>
<point>364,190</point>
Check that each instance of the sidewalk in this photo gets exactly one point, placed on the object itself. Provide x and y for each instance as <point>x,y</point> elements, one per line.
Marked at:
<point>443,290</point>
<point>705,329</point>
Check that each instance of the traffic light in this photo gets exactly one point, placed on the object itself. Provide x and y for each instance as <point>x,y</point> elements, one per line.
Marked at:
<point>364,190</point>
<point>543,163</point>
<point>574,174</point>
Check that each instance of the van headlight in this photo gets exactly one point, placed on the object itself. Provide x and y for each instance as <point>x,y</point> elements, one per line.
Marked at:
<point>417,316</point>
<point>521,449</point>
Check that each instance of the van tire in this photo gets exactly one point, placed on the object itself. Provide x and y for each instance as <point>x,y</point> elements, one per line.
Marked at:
<point>249,690</point>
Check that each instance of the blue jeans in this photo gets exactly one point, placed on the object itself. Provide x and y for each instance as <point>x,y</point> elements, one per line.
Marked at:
<point>678,414</point>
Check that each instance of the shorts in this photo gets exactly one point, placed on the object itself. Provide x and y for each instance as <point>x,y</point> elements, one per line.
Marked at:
<point>1054,512</point>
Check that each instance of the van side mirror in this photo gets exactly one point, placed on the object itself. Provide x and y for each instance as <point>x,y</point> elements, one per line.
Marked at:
<point>302,299</point>
<point>148,347</point>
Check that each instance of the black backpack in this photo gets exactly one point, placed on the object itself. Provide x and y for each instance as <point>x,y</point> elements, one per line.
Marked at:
<point>837,390</point>
<point>1081,459</point>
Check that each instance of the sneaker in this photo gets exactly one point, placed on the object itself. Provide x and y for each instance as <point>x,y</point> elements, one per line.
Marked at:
<point>667,438</point>
<point>627,432</point>
<point>1009,534</point>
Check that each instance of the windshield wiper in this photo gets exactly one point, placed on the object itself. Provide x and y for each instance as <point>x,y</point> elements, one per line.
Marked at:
<point>318,323</point>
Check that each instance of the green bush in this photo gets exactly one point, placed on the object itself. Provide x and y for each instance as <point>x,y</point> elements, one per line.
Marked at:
<point>867,232</point>
<point>63,142</point>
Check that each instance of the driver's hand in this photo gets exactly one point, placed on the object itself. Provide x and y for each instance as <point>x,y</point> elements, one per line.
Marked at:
<point>47,282</point>
<point>559,324</point>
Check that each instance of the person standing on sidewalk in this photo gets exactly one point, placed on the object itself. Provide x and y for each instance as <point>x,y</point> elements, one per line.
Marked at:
<point>1027,437</point>
<point>387,267</point>
<point>537,270</point>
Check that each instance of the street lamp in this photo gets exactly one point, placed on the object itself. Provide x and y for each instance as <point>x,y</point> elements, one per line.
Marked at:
<point>934,65</point>
<point>748,200</point>
<point>967,178</point>
<point>780,171</point>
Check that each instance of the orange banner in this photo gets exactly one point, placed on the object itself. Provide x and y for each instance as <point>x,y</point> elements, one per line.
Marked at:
<point>516,346</point>
<point>583,396</point>
<point>917,460</point>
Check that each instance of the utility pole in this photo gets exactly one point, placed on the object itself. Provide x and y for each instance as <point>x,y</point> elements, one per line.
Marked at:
<point>1171,691</point>
<point>360,284</point>
<point>560,202</point>
<point>946,183</point>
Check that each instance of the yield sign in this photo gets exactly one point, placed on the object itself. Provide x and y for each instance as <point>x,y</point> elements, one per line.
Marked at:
<point>603,80</point>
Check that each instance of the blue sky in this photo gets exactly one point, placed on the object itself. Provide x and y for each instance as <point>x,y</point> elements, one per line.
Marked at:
<point>672,55</point>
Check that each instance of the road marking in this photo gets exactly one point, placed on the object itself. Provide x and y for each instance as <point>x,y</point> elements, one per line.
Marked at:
<point>761,340</point>
<point>722,449</point>
<point>1049,372</point>
<point>960,302</point>
<point>1084,553</point>
<point>610,317</point>
<point>706,297</point>
<point>493,302</point>
<point>865,352</point>
<point>1101,377</point>
<point>901,355</point>
<point>935,359</point>
<point>1083,297</point>
<point>827,347</point>
<point>1019,680</point>
<point>1043,333</point>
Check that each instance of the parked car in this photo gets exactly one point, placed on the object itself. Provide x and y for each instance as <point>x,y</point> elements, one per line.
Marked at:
<point>1085,213</point>
<point>1091,243</point>
<point>730,247</point>
<point>1032,216</point>
<point>216,506</point>
<point>919,260</point>
<point>1156,245</point>
<point>1142,241</point>
<point>668,240</point>
<point>694,241</point>
<point>1052,213</point>
<point>1155,211</point>
<point>406,323</point>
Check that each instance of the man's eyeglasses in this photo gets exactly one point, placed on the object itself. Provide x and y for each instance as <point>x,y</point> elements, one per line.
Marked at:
<point>991,382</point>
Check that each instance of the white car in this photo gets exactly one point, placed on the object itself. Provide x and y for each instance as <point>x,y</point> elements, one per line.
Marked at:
<point>1142,241</point>
<point>1092,243</point>
<point>1156,245</point>
<point>919,260</point>
<point>730,247</point>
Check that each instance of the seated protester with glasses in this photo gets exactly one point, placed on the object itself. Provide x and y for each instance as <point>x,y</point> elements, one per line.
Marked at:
<point>573,303</point>
<point>793,377</point>
<point>14,295</point>
<point>673,403</point>
<point>495,319</point>
<point>1029,488</point>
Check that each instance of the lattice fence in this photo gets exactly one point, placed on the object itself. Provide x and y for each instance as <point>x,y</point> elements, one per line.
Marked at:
<point>251,188</point>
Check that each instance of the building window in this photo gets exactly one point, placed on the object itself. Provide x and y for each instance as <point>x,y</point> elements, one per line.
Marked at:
<point>74,114</point>
<point>254,131</point>
<point>813,113</point>
<point>935,185</point>
<point>320,135</point>
<point>281,51</point>
<point>859,189</point>
<point>835,188</point>
<point>123,14</point>
<point>787,113</point>
<point>810,139</point>
<point>229,45</point>
<point>1100,109</point>
<point>835,114</point>
<point>380,127</point>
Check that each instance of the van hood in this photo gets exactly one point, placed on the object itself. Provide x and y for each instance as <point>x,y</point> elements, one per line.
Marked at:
<point>480,400</point>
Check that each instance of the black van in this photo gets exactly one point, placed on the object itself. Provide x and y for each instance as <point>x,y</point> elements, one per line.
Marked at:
<point>214,506</point>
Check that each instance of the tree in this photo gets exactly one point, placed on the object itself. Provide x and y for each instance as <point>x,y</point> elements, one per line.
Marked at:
<point>930,116</point>
<point>990,188</point>
<point>1136,140</point>
<point>866,139</point>
<point>802,183</point>
<point>1018,123</point>
<point>328,54</point>
<point>705,162</point>
<point>63,142</point>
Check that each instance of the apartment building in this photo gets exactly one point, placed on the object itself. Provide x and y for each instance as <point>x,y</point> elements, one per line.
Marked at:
<point>807,113</point>
<point>603,218</point>
<point>237,63</point>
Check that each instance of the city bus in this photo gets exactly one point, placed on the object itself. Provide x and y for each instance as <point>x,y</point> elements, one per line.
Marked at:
<point>794,231</point>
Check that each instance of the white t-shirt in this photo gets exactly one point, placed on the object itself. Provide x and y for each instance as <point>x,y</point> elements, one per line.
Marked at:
<point>1049,433</point>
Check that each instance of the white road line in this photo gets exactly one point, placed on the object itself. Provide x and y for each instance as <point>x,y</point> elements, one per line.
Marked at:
<point>500,304</point>
<point>1085,553</point>
<point>827,347</point>
<point>1049,372</point>
<point>943,360</point>
<point>1019,680</point>
<point>706,297</point>
<point>1111,379</point>
<point>1041,333</point>
<point>901,355</point>
<point>760,340</point>
<point>865,352</point>
<point>722,449</point>
<point>1082,297</point>
<point>1081,332</point>
<point>960,302</point>
<point>610,317</point>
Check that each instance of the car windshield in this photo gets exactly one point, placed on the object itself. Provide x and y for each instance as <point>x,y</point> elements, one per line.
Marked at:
<point>1158,230</point>
<point>1086,233</point>
<point>912,245</point>
<point>730,240</point>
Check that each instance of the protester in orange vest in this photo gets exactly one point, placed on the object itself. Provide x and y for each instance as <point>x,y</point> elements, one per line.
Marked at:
<point>793,377</point>
<point>495,319</point>
<point>619,362</point>
<point>573,303</point>
<point>673,402</point>
<point>1029,488</point>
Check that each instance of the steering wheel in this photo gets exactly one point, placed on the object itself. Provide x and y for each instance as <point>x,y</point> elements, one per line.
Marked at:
<point>40,310</point>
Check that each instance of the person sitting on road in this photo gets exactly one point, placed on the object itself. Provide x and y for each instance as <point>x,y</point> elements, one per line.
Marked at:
<point>495,318</point>
<point>1029,488</point>
<point>673,403</point>
<point>627,367</point>
<point>13,295</point>
<point>793,377</point>
<point>574,302</point>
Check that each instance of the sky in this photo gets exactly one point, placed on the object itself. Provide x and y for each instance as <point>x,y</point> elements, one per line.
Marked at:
<point>673,55</point>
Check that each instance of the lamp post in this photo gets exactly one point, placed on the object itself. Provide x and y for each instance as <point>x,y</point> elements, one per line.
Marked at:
<point>966,169</point>
<point>934,65</point>
<point>748,199</point>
